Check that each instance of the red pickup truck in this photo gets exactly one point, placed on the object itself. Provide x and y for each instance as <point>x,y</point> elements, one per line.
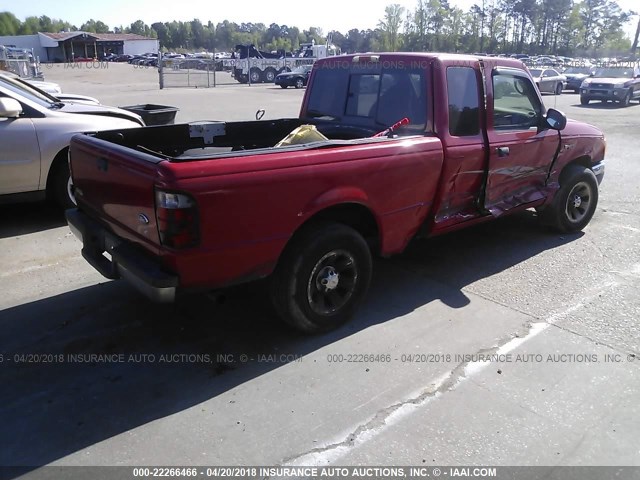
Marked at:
<point>203,206</point>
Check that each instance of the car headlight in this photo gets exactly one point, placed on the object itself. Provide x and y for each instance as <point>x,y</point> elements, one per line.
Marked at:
<point>584,84</point>
<point>620,85</point>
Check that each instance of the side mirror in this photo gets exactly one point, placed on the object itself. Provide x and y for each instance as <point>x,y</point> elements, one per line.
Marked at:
<point>555,119</point>
<point>10,108</point>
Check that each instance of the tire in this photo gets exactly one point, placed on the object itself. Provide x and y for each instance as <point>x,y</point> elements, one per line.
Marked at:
<point>322,277</point>
<point>559,89</point>
<point>283,86</point>
<point>299,83</point>
<point>269,75</point>
<point>61,185</point>
<point>627,99</point>
<point>576,201</point>
<point>255,75</point>
<point>584,101</point>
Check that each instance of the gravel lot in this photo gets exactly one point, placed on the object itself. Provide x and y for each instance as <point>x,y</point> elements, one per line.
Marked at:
<point>126,382</point>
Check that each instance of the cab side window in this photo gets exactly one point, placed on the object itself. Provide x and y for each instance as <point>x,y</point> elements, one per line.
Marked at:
<point>464,106</point>
<point>515,103</point>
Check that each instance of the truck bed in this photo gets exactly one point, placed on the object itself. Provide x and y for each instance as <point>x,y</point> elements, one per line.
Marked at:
<point>206,140</point>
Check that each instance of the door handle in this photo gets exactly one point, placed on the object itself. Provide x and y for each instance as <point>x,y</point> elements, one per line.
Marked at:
<point>503,151</point>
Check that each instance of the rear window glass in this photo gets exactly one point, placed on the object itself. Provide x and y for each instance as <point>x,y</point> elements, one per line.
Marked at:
<point>464,105</point>
<point>383,97</point>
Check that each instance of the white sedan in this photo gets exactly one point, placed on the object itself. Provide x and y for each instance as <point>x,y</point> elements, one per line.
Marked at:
<point>35,130</point>
<point>548,80</point>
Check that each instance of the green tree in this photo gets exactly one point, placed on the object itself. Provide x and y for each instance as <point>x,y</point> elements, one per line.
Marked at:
<point>390,26</point>
<point>9,24</point>
<point>94,26</point>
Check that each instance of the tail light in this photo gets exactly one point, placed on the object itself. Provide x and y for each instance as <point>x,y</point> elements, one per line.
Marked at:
<point>177,219</point>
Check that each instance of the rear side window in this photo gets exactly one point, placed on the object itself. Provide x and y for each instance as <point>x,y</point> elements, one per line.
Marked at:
<point>464,105</point>
<point>381,97</point>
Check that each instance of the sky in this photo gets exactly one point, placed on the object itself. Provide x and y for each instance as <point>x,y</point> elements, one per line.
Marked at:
<point>341,15</point>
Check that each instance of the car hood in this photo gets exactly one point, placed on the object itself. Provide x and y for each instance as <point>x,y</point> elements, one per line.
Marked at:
<point>607,80</point>
<point>575,128</point>
<point>103,110</point>
<point>74,98</point>
<point>49,87</point>
<point>575,75</point>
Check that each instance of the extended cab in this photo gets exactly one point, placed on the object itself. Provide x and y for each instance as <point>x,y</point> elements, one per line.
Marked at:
<point>203,206</point>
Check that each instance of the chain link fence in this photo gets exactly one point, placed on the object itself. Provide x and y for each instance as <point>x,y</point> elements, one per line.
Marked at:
<point>194,73</point>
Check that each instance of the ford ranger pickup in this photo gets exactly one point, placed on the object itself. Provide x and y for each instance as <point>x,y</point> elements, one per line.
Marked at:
<point>403,146</point>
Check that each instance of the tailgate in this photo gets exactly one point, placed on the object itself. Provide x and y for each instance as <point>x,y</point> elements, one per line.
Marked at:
<point>115,185</point>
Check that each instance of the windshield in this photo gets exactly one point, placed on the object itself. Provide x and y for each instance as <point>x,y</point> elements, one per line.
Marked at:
<point>536,72</point>
<point>578,70</point>
<point>28,92</point>
<point>614,72</point>
<point>302,69</point>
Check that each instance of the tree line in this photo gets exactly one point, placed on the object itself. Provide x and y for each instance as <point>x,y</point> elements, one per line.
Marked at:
<point>560,27</point>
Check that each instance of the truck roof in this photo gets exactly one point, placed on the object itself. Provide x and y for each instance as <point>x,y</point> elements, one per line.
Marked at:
<point>382,56</point>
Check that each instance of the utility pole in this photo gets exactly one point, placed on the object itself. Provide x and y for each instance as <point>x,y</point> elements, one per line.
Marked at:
<point>635,40</point>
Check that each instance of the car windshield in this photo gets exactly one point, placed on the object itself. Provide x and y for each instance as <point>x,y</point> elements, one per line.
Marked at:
<point>578,70</point>
<point>301,69</point>
<point>28,92</point>
<point>614,73</point>
<point>536,72</point>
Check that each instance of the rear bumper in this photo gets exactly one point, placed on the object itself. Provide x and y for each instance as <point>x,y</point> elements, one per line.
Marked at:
<point>139,268</point>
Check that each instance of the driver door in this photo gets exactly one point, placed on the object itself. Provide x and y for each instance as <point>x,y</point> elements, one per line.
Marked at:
<point>19,155</point>
<point>520,150</point>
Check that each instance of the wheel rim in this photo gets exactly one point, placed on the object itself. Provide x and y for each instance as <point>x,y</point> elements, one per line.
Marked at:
<point>71,191</point>
<point>332,282</point>
<point>270,76</point>
<point>579,202</point>
<point>299,83</point>
<point>254,77</point>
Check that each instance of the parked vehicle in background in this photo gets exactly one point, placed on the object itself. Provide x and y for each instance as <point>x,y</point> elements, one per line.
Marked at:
<point>35,130</point>
<point>49,87</point>
<point>616,84</point>
<point>297,78</point>
<point>53,90</point>
<point>548,80</point>
<point>387,147</point>
<point>251,65</point>
<point>20,61</point>
<point>575,76</point>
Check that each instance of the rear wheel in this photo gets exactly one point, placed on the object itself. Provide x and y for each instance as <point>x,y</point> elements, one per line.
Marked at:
<point>269,75</point>
<point>61,186</point>
<point>575,203</point>
<point>299,83</point>
<point>255,75</point>
<point>322,277</point>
